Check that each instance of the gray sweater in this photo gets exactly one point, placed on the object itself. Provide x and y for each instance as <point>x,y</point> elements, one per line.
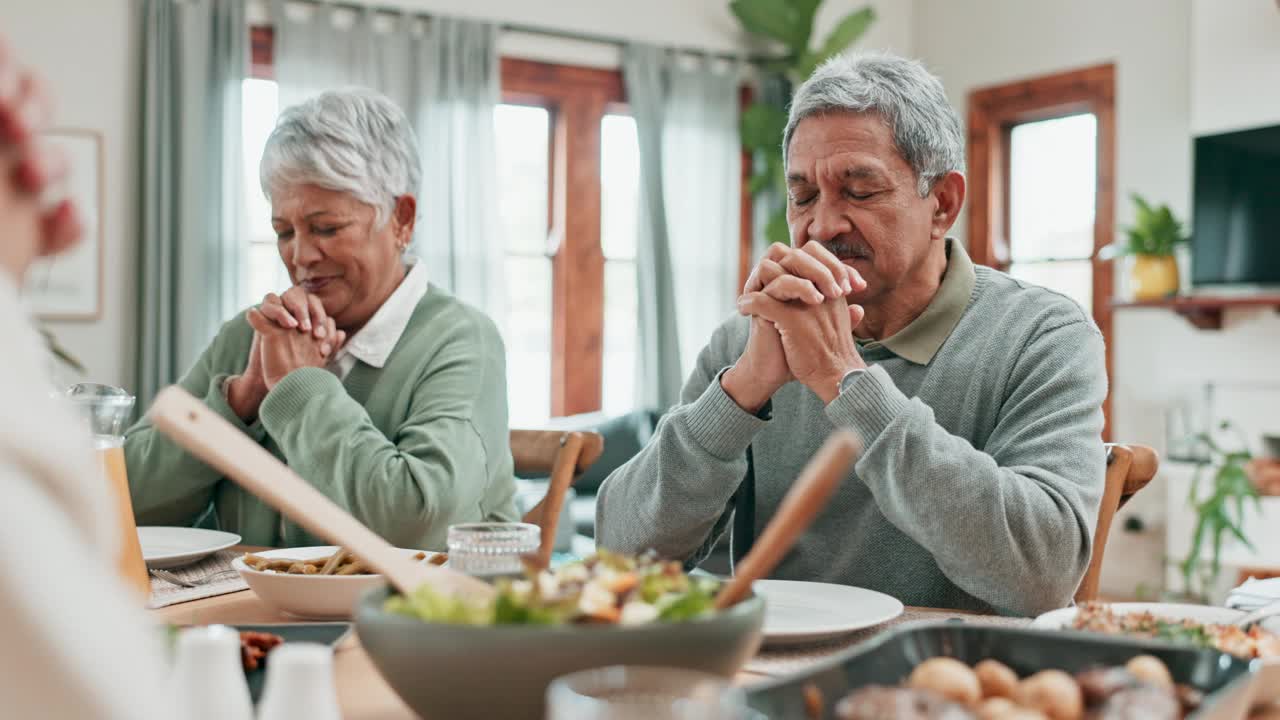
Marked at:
<point>978,487</point>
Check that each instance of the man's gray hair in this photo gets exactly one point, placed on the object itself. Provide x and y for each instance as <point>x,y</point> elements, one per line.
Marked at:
<point>353,140</point>
<point>926,129</point>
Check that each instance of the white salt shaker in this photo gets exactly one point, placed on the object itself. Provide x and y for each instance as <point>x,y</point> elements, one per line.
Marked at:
<point>208,675</point>
<point>300,684</point>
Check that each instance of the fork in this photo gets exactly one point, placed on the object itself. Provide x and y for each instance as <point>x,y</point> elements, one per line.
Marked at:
<point>174,579</point>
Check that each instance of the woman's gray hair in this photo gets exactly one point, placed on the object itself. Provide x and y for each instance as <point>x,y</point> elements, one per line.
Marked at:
<point>353,140</point>
<point>926,129</point>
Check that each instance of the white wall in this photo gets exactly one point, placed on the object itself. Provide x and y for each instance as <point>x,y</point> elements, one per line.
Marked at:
<point>87,52</point>
<point>1158,356</point>
<point>1235,65</point>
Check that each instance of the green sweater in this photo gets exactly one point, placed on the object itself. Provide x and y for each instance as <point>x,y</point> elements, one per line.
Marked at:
<point>408,449</point>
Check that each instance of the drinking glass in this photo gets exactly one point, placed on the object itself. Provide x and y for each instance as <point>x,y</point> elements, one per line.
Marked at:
<point>107,410</point>
<point>492,549</point>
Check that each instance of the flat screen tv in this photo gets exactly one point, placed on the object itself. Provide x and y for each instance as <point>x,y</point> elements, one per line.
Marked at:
<point>1235,235</point>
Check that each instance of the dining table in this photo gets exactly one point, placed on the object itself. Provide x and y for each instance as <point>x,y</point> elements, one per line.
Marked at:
<point>364,695</point>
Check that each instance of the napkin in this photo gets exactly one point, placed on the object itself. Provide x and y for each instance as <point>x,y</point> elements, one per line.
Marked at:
<point>164,593</point>
<point>1254,593</point>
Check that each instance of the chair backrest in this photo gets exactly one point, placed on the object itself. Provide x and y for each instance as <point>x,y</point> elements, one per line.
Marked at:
<point>563,456</point>
<point>1129,469</point>
<point>535,451</point>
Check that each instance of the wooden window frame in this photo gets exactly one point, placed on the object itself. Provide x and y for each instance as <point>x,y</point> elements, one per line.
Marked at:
<point>577,98</point>
<point>993,112</point>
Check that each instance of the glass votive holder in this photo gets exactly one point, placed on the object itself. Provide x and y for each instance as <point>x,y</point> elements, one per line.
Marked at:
<point>492,549</point>
<point>644,693</point>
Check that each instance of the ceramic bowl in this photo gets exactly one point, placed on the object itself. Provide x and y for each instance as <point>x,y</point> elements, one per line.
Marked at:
<point>311,597</point>
<point>462,671</point>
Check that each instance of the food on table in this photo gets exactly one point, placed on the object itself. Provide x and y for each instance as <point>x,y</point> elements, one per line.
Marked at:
<point>1253,643</point>
<point>339,563</point>
<point>813,702</point>
<point>877,701</point>
<point>254,647</point>
<point>997,679</point>
<point>946,688</point>
<point>1053,693</point>
<point>949,678</point>
<point>607,589</point>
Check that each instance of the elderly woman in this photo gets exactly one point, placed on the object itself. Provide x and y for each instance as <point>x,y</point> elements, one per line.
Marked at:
<point>381,390</point>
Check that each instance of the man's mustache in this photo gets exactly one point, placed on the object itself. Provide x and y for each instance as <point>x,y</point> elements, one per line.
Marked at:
<point>846,249</point>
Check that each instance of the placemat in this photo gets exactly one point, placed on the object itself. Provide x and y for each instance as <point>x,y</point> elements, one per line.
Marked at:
<point>164,594</point>
<point>788,660</point>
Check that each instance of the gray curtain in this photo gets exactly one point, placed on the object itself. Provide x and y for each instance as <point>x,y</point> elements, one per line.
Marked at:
<point>444,74</point>
<point>702,180</point>
<point>686,113</point>
<point>645,74</point>
<point>191,258</point>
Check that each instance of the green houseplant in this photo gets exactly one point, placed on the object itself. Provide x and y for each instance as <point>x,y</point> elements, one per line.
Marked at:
<point>1219,512</point>
<point>788,24</point>
<point>1151,242</point>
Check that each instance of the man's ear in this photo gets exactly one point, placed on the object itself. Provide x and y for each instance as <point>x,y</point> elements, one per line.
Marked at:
<point>948,192</point>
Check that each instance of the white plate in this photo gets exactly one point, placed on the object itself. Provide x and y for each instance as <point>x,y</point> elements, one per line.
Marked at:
<point>1063,617</point>
<point>314,597</point>
<point>171,547</point>
<point>801,612</point>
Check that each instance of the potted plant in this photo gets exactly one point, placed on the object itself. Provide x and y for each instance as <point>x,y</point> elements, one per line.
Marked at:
<point>787,24</point>
<point>1150,243</point>
<point>1219,513</point>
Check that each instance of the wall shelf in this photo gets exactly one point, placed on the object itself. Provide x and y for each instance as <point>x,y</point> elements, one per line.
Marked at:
<point>1205,311</point>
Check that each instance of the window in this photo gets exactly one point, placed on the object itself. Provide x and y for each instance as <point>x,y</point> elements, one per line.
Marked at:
<point>1052,187</point>
<point>619,205</point>
<point>265,273</point>
<point>1042,198</point>
<point>524,159</point>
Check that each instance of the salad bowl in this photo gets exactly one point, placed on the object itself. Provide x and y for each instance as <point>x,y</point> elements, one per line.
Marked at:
<point>491,671</point>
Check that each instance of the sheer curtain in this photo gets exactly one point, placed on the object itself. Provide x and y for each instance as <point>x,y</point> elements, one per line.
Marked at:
<point>444,73</point>
<point>686,113</point>
<point>191,254</point>
<point>702,180</point>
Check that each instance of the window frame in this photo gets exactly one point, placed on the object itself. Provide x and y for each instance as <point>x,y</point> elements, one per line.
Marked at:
<point>577,98</point>
<point>993,112</point>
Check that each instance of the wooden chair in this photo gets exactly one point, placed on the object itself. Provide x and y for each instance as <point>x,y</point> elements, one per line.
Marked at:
<point>1129,469</point>
<point>561,455</point>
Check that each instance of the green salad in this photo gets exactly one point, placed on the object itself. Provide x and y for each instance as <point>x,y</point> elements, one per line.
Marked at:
<point>607,588</point>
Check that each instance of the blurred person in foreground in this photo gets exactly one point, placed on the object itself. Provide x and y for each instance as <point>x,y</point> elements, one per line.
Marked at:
<point>977,396</point>
<point>383,391</point>
<point>76,642</point>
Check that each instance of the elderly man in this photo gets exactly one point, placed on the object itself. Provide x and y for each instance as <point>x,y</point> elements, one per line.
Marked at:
<point>977,396</point>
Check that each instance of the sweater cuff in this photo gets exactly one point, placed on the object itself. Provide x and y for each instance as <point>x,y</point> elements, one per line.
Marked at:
<point>288,398</point>
<point>216,399</point>
<point>716,423</point>
<point>868,405</point>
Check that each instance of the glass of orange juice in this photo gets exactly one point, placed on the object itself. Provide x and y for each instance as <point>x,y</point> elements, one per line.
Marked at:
<point>108,410</point>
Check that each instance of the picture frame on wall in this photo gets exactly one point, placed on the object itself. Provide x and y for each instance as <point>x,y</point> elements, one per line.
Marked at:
<point>69,286</point>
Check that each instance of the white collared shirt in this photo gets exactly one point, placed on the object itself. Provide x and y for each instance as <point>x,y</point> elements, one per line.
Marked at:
<point>375,341</point>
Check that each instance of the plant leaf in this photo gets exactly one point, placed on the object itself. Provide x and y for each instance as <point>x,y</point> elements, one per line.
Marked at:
<point>775,19</point>
<point>760,181</point>
<point>805,12</point>
<point>60,352</point>
<point>844,34</point>
<point>761,127</point>
<point>776,230</point>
